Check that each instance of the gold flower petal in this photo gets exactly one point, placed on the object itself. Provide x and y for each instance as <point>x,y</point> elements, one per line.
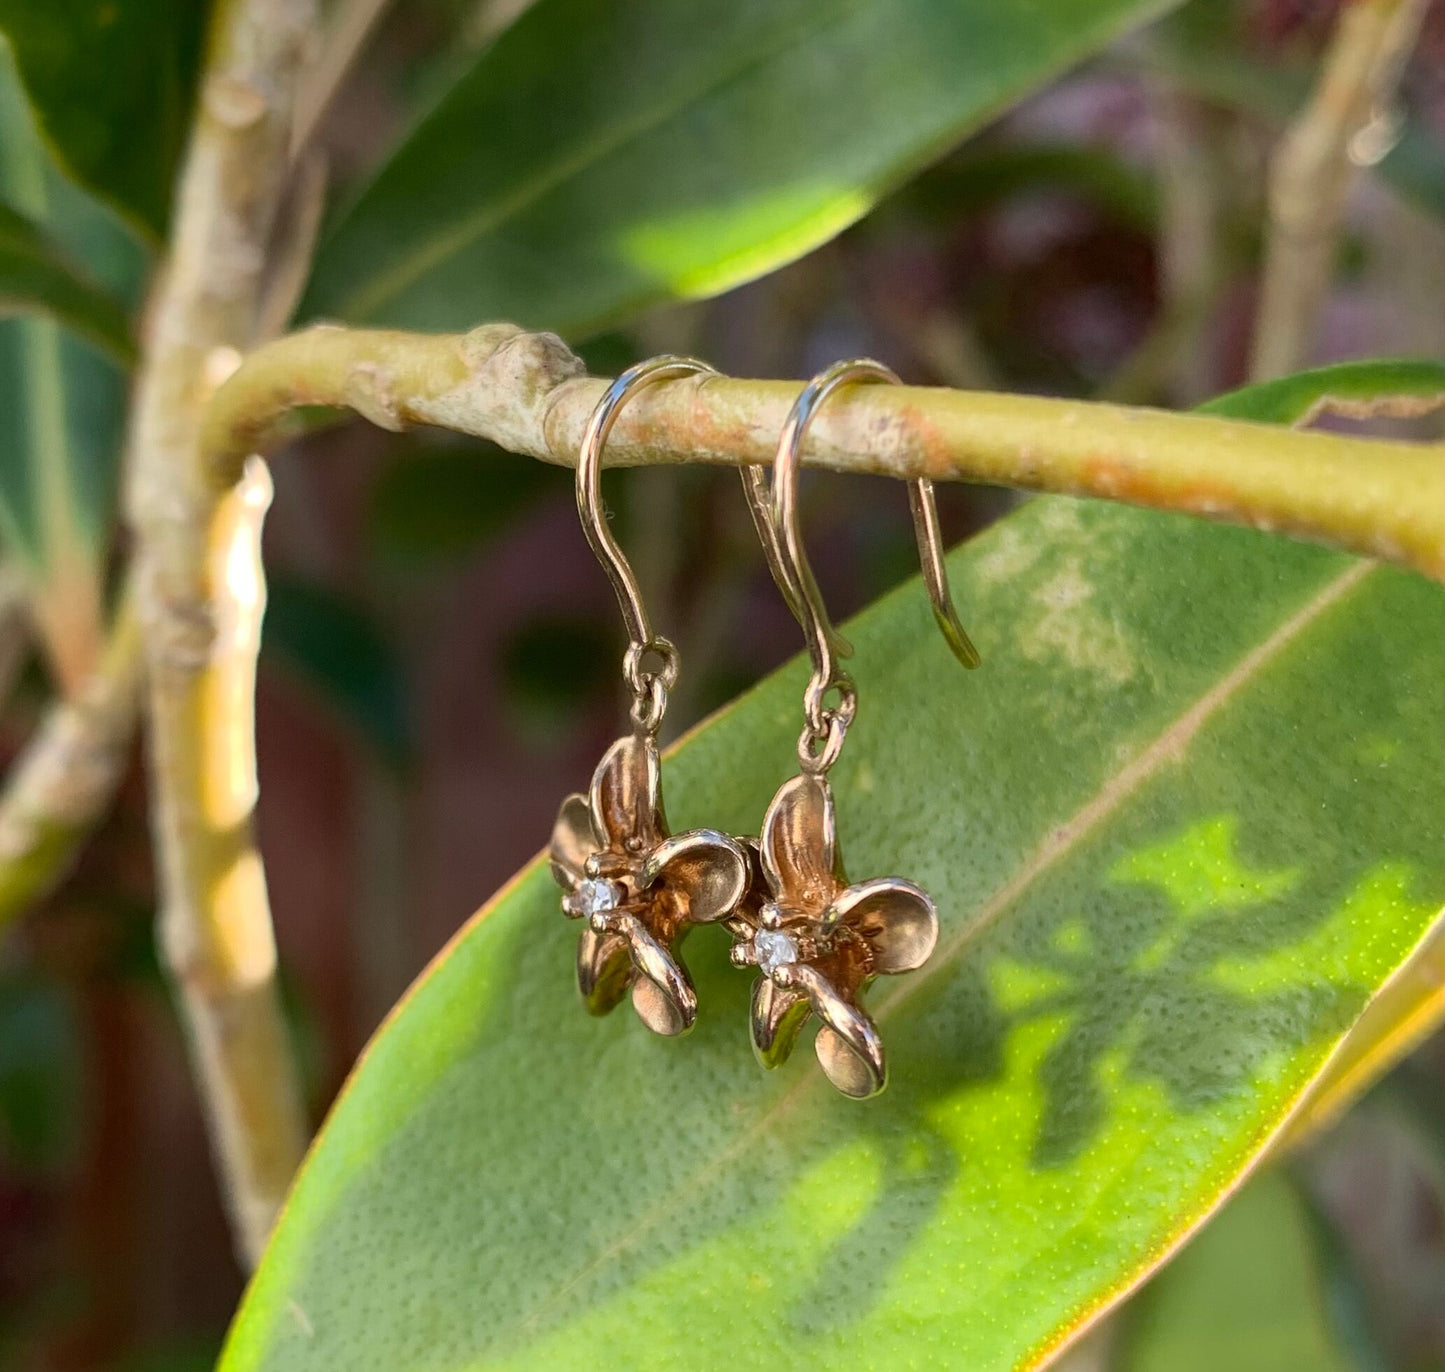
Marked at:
<point>748,914</point>
<point>573,841</point>
<point>777,1015</point>
<point>848,1046</point>
<point>854,1064</point>
<point>897,918</point>
<point>662,995</point>
<point>603,970</point>
<point>799,849</point>
<point>705,870</point>
<point>626,796</point>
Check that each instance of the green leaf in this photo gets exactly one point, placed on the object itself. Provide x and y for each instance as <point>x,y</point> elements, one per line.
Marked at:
<point>433,502</point>
<point>600,157</point>
<point>1399,1019</point>
<point>1248,1295</point>
<point>40,1074</point>
<point>61,409</point>
<point>1180,828</point>
<point>35,276</point>
<point>985,177</point>
<point>112,83</point>
<point>552,667</point>
<point>338,649</point>
<point>1357,389</point>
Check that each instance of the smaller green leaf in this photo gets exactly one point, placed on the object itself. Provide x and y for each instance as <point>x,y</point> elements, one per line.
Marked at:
<point>980,178</point>
<point>1247,1294</point>
<point>37,276</point>
<point>1414,167</point>
<point>112,83</point>
<point>337,648</point>
<point>61,409</point>
<point>1354,389</point>
<point>39,1073</point>
<point>552,666</point>
<point>188,1356</point>
<point>437,502</point>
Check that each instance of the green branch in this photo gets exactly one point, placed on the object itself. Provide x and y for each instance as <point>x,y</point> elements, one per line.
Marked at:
<point>526,391</point>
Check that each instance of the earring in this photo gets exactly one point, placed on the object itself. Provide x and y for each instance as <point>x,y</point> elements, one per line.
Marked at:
<point>638,888</point>
<point>817,940</point>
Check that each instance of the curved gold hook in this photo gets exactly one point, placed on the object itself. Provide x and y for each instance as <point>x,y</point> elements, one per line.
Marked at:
<point>649,687</point>
<point>776,520</point>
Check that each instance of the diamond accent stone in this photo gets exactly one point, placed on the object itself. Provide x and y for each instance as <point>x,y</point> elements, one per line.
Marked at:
<point>594,896</point>
<point>774,949</point>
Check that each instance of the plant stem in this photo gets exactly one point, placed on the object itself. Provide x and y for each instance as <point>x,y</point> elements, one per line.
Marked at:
<point>200,596</point>
<point>1314,167</point>
<point>1175,358</point>
<point>65,778</point>
<point>525,391</point>
<point>15,628</point>
<point>352,24</point>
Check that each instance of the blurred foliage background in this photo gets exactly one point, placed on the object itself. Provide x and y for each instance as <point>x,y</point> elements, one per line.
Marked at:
<point>439,662</point>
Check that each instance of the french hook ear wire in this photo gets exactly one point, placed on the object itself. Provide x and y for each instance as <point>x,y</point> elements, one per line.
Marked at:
<point>790,567</point>
<point>649,684</point>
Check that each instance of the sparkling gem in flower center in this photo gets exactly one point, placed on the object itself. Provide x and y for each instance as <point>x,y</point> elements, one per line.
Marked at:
<point>594,896</point>
<point>774,949</point>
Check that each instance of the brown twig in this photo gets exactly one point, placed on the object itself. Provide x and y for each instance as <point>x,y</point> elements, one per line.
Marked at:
<point>65,778</point>
<point>1173,359</point>
<point>199,595</point>
<point>289,260</point>
<point>1313,169</point>
<point>525,392</point>
<point>351,26</point>
<point>15,627</point>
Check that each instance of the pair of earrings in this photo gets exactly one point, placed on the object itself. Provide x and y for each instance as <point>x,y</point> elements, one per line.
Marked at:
<point>816,940</point>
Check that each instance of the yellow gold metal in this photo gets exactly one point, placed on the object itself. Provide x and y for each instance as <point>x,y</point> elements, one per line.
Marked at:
<point>817,940</point>
<point>776,520</point>
<point>649,685</point>
<point>929,537</point>
<point>639,889</point>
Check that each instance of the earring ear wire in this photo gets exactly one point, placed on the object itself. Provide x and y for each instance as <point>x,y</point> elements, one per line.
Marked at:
<point>774,516</point>
<point>638,887</point>
<point>649,685</point>
<point>817,941</point>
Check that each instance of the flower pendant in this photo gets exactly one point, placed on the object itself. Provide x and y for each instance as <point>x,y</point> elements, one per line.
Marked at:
<point>639,889</point>
<point>819,942</point>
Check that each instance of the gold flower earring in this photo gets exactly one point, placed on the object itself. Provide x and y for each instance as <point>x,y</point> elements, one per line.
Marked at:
<point>817,940</point>
<point>639,889</point>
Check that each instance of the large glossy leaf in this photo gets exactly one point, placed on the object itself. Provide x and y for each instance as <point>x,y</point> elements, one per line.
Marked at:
<point>599,157</point>
<point>1404,1014</point>
<point>36,277</point>
<point>61,406</point>
<point>1181,827</point>
<point>112,83</point>
<point>1248,1295</point>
